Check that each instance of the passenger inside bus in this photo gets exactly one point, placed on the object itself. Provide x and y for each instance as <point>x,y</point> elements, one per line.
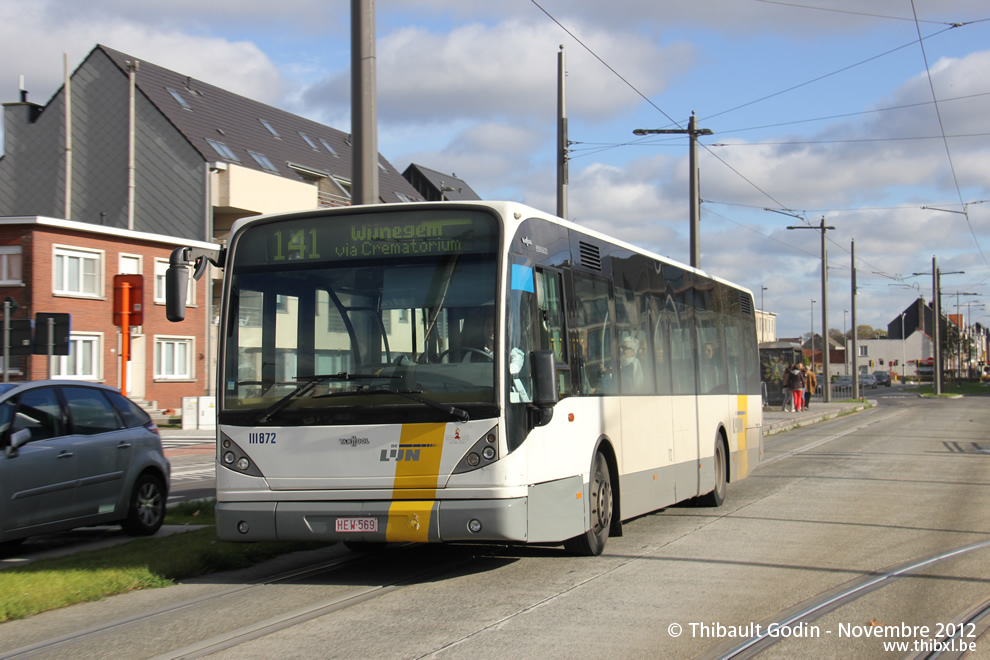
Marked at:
<point>630,369</point>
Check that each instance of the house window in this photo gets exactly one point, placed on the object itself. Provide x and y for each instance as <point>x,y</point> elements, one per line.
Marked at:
<point>329,148</point>
<point>173,358</point>
<point>307,140</point>
<point>864,351</point>
<point>403,198</point>
<point>178,97</point>
<point>262,160</point>
<point>10,264</point>
<point>382,167</point>
<point>130,265</point>
<point>77,272</point>
<point>271,129</point>
<point>222,150</point>
<point>83,361</point>
<point>161,265</point>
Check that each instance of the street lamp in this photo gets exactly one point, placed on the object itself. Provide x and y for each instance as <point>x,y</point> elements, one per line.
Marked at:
<point>763,318</point>
<point>903,356</point>
<point>845,343</point>
<point>826,393</point>
<point>937,330</point>
<point>692,131</point>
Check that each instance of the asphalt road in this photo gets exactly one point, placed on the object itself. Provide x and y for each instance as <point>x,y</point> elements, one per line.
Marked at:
<point>862,531</point>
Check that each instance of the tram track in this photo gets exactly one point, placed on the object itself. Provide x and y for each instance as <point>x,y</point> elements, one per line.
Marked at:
<point>805,613</point>
<point>346,572</point>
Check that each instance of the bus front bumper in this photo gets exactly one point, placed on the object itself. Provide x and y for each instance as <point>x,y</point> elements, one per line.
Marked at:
<point>398,521</point>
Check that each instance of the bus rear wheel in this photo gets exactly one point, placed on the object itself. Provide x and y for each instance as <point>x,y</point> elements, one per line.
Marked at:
<point>717,496</point>
<point>592,542</point>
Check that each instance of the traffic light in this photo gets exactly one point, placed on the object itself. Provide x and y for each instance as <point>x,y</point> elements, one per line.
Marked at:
<point>871,364</point>
<point>881,362</point>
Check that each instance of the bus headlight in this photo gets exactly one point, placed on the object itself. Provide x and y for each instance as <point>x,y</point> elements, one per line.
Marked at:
<point>482,453</point>
<point>228,457</point>
<point>243,463</point>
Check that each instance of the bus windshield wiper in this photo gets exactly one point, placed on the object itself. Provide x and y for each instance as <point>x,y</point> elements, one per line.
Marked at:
<point>455,412</point>
<point>306,384</point>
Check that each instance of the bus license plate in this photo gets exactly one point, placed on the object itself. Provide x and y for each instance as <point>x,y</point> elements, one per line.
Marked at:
<point>357,525</point>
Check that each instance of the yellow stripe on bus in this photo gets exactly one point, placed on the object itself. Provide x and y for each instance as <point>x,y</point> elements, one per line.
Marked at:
<point>415,487</point>
<point>409,522</point>
<point>742,422</point>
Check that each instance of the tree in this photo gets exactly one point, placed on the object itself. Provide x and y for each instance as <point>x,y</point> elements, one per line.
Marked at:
<point>836,335</point>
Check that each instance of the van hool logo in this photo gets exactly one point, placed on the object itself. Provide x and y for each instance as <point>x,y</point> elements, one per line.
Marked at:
<point>354,441</point>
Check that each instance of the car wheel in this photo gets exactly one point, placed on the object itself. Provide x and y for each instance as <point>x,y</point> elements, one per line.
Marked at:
<point>592,542</point>
<point>146,511</point>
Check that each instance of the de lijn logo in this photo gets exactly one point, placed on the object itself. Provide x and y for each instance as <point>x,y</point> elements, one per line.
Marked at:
<point>402,453</point>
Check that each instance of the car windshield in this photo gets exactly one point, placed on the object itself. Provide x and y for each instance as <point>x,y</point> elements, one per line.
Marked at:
<point>369,303</point>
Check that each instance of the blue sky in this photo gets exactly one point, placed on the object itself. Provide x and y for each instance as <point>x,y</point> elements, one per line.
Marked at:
<point>469,87</point>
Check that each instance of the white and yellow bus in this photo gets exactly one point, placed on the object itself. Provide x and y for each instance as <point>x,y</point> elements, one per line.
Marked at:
<point>468,372</point>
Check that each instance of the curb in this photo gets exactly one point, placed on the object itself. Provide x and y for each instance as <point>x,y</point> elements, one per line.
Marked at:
<point>780,426</point>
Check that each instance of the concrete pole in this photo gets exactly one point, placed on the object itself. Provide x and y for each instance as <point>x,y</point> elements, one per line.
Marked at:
<point>562,143</point>
<point>364,104</point>
<point>855,354</point>
<point>695,193</point>
<point>826,393</point>
<point>937,350</point>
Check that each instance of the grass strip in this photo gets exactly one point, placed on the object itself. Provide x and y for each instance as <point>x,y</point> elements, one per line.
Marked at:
<point>145,563</point>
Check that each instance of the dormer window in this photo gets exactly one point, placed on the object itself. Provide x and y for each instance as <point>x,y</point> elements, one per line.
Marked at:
<point>382,167</point>
<point>312,145</point>
<point>328,147</point>
<point>271,129</point>
<point>222,150</point>
<point>262,160</point>
<point>178,97</point>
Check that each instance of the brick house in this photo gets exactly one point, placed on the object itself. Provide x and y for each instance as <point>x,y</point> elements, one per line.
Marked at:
<point>61,266</point>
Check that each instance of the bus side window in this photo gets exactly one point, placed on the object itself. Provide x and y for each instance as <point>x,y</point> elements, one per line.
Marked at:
<point>593,333</point>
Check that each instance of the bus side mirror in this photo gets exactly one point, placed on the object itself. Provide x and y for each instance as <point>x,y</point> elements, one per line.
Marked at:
<point>544,367</point>
<point>176,285</point>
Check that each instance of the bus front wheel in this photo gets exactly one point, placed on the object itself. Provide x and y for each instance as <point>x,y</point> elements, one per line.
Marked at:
<point>592,542</point>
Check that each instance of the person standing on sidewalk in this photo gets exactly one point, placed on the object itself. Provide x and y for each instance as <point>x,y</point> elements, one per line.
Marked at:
<point>811,386</point>
<point>785,387</point>
<point>797,387</point>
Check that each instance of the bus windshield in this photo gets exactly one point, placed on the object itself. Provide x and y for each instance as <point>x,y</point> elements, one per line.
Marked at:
<point>362,318</point>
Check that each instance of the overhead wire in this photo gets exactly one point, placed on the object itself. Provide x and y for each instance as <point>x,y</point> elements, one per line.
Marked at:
<point>945,141</point>
<point>920,40</point>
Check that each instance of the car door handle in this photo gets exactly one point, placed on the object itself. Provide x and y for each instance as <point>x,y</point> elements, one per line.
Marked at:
<point>65,454</point>
<point>123,445</point>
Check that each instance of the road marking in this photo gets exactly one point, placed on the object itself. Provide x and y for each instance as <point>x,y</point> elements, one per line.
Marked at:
<point>827,440</point>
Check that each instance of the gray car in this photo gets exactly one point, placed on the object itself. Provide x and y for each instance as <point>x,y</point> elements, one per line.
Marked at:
<point>77,454</point>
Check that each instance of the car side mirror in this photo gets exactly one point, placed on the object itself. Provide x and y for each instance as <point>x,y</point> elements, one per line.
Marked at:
<point>17,440</point>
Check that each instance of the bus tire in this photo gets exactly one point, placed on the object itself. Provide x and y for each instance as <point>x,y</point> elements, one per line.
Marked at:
<point>600,505</point>
<point>717,496</point>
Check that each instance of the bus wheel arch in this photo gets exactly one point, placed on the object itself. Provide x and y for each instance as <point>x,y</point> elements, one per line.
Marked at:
<point>720,460</point>
<point>602,504</point>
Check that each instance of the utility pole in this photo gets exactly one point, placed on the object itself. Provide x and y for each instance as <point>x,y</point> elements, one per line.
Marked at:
<point>852,305</point>
<point>562,143</point>
<point>826,392</point>
<point>937,351</point>
<point>364,104</point>
<point>692,132</point>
